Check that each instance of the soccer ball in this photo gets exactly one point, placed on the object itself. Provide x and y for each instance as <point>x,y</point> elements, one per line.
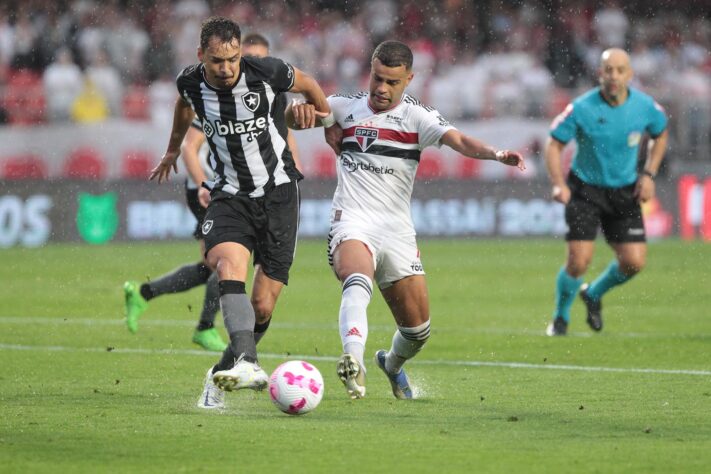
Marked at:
<point>296,387</point>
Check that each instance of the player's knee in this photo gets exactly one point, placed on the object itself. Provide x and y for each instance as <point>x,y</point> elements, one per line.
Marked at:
<point>632,266</point>
<point>263,307</point>
<point>577,265</point>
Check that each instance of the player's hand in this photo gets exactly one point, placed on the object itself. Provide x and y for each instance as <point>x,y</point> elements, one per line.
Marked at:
<point>204,196</point>
<point>561,193</point>
<point>645,188</point>
<point>162,171</point>
<point>304,114</point>
<point>334,136</point>
<point>511,158</point>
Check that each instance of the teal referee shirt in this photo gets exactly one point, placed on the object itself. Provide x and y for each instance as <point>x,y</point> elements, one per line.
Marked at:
<point>608,137</point>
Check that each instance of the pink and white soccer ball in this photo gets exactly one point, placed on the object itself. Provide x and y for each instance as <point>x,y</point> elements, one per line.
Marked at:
<point>296,387</point>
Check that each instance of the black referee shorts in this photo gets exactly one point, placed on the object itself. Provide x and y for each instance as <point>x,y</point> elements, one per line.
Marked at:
<point>191,197</point>
<point>616,210</point>
<point>267,226</point>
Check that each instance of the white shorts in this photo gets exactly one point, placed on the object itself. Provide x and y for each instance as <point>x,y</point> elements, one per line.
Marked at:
<point>394,256</point>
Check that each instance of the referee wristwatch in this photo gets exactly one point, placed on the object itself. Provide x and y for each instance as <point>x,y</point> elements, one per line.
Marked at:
<point>650,174</point>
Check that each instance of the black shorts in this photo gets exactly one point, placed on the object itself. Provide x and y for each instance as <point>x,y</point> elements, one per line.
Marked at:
<point>191,197</point>
<point>616,210</point>
<point>267,225</point>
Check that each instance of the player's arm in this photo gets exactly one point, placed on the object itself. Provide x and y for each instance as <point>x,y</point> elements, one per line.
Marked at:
<point>190,151</point>
<point>645,188</point>
<point>303,116</point>
<point>473,148</point>
<point>552,153</point>
<point>182,117</point>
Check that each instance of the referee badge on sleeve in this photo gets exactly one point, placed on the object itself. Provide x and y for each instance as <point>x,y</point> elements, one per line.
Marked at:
<point>206,227</point>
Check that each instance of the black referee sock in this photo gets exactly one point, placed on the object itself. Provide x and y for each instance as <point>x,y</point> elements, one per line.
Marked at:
<point>179,280</point>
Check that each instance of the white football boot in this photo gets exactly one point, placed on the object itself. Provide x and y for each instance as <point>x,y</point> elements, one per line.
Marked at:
<point>352,375</point>
<point>212,397</point>
<point>243,375</point>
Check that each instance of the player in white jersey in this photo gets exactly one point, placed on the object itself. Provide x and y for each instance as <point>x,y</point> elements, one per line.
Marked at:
<point>379,138</point>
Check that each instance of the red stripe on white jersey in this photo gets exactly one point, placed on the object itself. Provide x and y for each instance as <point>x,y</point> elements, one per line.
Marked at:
<point>387,134</point>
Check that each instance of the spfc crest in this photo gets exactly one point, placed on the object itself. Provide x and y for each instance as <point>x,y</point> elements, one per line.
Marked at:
<point>251,101</point>
<point>366,137</point>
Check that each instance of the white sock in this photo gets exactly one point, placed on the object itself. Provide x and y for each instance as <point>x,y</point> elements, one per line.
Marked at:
<point>352,317</point>
<point>407,342</point>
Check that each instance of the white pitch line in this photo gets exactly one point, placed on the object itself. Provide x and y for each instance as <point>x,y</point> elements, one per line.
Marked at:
<point>459,363</point>
<point>70,320</point>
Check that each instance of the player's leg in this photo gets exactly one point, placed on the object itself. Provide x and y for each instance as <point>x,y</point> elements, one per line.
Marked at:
<point>568,281</point>
<point>409,303</point>
<point>582,215</point>
<point>630,259</point>
<point>623,228</point>
<point>230,260</point>
<point>274,252</point>
<point>265,293</point>
<point>179,280</point>
<point>353,264</point>
<point>230,231</point>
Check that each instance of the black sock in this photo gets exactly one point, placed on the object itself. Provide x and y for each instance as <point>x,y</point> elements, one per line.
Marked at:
<point>260,330</point>
<point>227,361</point>
<point>179,280</point>
<point>146,292</point>
<point>211,303</point>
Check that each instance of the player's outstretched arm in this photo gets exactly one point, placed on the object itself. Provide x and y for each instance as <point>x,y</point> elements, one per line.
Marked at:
<point>182,117</point>
<point>305,117</point>
<point>473,148</point>
<point>553,150</point>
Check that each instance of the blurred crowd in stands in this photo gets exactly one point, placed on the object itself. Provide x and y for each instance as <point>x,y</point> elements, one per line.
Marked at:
<point>87,60</point>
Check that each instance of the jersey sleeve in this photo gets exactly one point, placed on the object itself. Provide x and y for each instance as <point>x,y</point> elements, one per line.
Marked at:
<point>196,123</point>
<point>564,126</point>
<point>280,73</point>
<point>431,127</point>
<point>338,104</point>
<point>658,120</point>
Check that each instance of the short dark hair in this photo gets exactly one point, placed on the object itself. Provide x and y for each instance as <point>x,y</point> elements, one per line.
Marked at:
<point>393,54</point>
<point>255,39</point>
<point>223,28</point>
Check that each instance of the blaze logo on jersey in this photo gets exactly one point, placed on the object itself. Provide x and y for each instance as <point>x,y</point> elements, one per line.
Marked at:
<point>366,137</point>
<point>251,101</point>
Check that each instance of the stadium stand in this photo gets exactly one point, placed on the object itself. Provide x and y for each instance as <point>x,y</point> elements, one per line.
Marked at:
<point>84,163</point>
<point>24,167</point>
<point>137,164</point>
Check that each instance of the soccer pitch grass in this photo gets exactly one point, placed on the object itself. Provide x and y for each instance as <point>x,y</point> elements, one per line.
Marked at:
<point>79,393</point>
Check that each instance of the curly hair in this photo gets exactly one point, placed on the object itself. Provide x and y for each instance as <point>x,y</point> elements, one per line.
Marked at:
<point>223,28</point>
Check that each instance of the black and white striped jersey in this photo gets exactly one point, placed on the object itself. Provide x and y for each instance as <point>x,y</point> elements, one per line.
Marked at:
<point>244,125</point>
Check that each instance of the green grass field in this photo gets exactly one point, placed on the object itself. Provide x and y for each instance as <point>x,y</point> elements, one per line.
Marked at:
<point>78,393</point>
